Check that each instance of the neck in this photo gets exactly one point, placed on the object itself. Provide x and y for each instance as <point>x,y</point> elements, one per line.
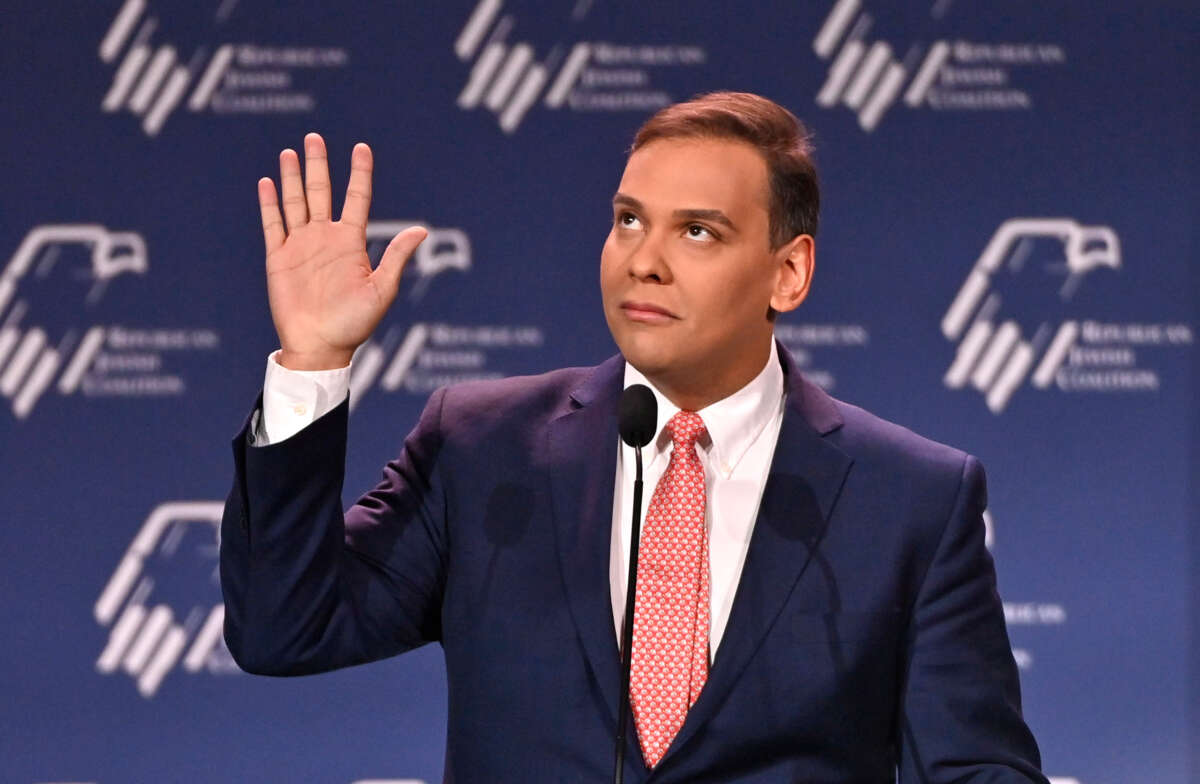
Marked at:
<point>696,390</point>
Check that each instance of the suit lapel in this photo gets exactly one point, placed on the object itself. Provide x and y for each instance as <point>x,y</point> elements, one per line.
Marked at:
<point>806,476</point>
<point>583,458</point>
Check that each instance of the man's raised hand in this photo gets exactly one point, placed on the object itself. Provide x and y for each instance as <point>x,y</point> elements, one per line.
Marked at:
<point>325,299</point>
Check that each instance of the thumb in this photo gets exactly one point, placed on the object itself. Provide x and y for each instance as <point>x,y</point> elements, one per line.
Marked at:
<point>396,256</point>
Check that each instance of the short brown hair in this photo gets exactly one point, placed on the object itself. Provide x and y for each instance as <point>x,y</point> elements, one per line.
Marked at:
<point>780,138</point>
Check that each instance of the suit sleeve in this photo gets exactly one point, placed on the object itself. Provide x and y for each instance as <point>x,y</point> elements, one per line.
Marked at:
<point>961,710</point>
<point>309,589</point>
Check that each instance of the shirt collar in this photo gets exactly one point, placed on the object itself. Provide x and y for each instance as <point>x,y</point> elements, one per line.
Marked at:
<point>733,423</point>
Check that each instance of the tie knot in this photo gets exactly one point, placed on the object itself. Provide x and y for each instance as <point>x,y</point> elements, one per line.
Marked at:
<point>686,428</point>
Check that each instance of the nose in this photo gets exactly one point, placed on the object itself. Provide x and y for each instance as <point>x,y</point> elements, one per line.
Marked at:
<point>647,262</point>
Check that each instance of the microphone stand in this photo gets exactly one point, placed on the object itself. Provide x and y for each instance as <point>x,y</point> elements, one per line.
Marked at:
<point>635,533</point>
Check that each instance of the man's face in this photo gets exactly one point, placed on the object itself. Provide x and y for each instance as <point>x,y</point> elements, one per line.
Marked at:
<point>687,273</point>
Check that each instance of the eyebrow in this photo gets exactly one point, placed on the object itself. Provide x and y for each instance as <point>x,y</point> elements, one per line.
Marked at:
<point>716,216</point>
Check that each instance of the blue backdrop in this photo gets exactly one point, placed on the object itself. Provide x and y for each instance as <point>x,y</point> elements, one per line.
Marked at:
<point>1006,262</point>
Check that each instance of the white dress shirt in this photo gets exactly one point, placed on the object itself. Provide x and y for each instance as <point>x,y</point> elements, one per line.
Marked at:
<point>742,431</point>
<point>294,399</point>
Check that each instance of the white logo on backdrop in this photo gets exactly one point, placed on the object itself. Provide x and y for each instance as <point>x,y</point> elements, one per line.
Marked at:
<point>507,80</point>
<point>817,349</point>
<point>867,77</point>
<point>28,361</point>
<point>56,261</point>
<point>428,355</point>
<point>151,81</point>
<point>997,359</point>
<point>151,629</point>
<point>996,356</point>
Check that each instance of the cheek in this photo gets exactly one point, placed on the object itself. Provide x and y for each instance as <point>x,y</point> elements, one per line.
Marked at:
<point>734,297</point>
<point>609,272</point>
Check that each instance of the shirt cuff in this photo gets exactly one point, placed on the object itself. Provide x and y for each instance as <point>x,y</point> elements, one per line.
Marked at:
<point>294,399</point>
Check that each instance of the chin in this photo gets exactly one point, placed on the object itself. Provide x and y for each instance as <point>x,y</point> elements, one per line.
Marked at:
<point>651,358</point>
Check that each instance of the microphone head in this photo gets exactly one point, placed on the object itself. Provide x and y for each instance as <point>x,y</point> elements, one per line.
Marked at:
<point>637,416</point>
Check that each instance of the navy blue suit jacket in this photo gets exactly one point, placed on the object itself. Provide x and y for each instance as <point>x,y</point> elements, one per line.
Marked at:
<point>866,637</point>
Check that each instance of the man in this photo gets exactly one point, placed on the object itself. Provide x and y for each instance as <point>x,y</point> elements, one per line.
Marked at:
<point>815,602</point>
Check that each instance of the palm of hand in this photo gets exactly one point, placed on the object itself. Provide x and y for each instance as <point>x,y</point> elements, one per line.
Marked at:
<point>321,278</point>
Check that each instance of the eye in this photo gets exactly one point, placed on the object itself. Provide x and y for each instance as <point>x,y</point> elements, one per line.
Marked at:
<point>627,220</point>
<point>700,232</point>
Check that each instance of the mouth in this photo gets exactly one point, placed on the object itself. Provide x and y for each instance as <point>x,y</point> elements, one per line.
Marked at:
<point>647,313</point>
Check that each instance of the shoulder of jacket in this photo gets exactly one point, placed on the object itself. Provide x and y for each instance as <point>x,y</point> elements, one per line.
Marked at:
<point>514,400</point>
<point>873,440</point>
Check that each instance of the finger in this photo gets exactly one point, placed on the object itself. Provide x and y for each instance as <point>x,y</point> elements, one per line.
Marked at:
<point>316,177</point>
<point>272,223</point>
<point>358,192</point>
<point>295,206</point>
<point>395,257</point>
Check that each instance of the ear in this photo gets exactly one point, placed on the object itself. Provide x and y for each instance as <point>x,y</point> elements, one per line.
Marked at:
<point>795,262</point>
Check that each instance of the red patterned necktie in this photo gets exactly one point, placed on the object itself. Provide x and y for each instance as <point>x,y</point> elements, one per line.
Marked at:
<point>671,612</point>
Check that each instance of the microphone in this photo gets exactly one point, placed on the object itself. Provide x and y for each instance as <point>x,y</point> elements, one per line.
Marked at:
<point>637,416</point>
<point>637,420</point>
